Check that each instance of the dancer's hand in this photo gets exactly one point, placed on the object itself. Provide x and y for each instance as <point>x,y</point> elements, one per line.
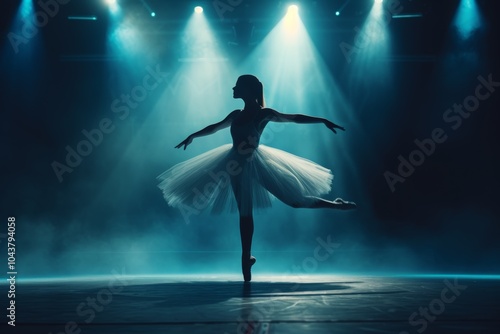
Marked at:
<point>185,143</point>
<point>332,126</point>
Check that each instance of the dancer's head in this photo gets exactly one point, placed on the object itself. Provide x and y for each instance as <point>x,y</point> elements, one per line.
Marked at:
<point>249,88</point>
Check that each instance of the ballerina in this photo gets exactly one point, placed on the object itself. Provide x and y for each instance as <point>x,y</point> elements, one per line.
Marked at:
<point>242,175</point>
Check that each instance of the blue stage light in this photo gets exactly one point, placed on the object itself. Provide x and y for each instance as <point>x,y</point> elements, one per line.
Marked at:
<point>468,18</point>
<point>113,5</point>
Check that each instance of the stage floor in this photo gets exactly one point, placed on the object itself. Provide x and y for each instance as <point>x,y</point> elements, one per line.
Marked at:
<point>270,304</point>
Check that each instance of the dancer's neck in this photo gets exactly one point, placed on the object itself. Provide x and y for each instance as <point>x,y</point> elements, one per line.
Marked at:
<point>252,105</point>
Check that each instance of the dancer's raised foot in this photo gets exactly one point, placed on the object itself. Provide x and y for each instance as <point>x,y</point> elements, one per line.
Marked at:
<point>344,205</point>
<point>246,266</point>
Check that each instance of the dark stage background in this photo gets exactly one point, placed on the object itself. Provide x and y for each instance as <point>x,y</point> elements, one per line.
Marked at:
<point>390,87</point>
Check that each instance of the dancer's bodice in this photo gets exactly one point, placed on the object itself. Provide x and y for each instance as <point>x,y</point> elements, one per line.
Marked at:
<point>246,129</point>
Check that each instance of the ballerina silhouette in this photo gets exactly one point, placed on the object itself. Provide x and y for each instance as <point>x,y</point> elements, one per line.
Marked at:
<point>246,172</point>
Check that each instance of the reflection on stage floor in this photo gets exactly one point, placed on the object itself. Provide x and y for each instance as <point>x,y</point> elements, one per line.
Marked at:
<point>269,304</point>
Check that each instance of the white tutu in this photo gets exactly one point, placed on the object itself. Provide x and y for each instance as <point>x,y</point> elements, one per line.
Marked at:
<point>213,180</point>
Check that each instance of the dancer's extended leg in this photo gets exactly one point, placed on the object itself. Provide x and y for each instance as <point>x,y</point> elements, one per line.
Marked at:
<point>338,203</point>
<point>321,203</point>
<point>311,202</point>
<point>246,232</point>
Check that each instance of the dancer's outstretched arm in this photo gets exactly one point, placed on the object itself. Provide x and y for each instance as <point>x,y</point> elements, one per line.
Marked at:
<point>213,128</point>
<point>275,116</point>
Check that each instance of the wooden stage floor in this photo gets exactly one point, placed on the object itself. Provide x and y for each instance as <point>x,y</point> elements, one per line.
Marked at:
<point>269,304</point>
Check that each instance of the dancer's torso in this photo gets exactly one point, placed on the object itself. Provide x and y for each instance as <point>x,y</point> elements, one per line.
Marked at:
<point>246,129</point>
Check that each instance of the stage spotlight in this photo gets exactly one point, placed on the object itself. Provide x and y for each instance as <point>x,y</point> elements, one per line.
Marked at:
<point>339,10</point>
<point>293,10</point>
<point>153,14</point>
<point>26,9</point>
<point>292,20</point>
<point>198,9</point>
<point>379,1</point>
<point>113,6</point>
<point>467,19</point>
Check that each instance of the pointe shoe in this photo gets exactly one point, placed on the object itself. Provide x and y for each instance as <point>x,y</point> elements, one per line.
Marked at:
<point>246,266</point>
<point>344,205</point>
